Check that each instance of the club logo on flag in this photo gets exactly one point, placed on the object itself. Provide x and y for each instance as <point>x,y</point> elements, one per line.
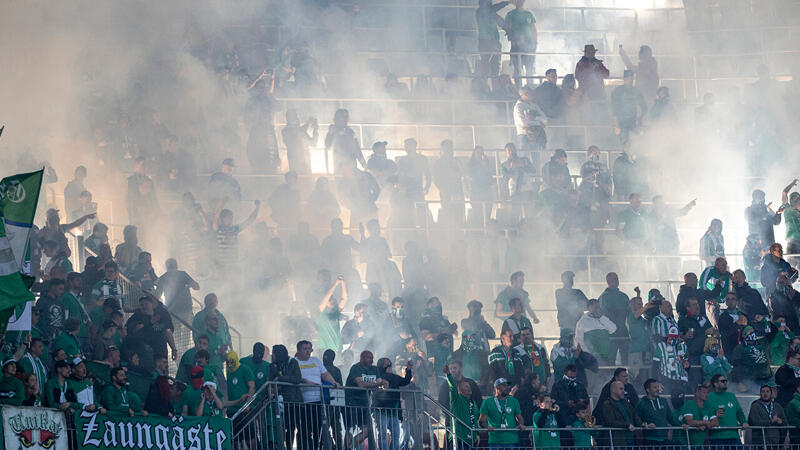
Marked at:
<point>13,192</point>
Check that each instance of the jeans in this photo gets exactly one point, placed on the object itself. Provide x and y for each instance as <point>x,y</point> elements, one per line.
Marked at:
<point>523,62</point>
<point>388,420</point>
<point>727,444</point>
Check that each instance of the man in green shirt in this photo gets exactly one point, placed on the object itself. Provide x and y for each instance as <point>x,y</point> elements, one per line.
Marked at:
<point>655,412</point>
<point>330,313</point>
<point>520,27</point>
<point>725,406</point>
<point>488,36</point>
<point>463,408</point>
<point>791,216</point>
<point>73,306</point>
<point>257,362</point>
<point>501,414</point>
<point>241,383</point>
<point>696,414</point>
<point>209,405</point>
<point>68,339</point>
<point>514,290</point>
<point>55,390</point>
<point>631,223</point>
<point>32,363</point>
<point>189,358</point>
<point>628,106</point>
<point>81,396</point>
<point>534,355</point>
<point>193,394</point>
<point>117,398</point>
<point>12,391</point>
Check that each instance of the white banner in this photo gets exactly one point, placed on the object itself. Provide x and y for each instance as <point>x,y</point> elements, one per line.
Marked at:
<point>21,319</point>
<point>34,428</point>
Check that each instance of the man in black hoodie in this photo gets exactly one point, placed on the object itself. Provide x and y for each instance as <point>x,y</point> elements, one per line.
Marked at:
<point>621,375</point>
<point>689,290</point>
<point>287,370</point>
<point>787,378</point>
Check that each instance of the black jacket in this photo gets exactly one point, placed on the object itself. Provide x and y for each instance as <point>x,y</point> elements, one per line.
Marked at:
<point>630,394</point>
<point>613,417</point>
<point>686,292</point>
<point>562,393</point>
<point>771,269</point>
<point>750,301</point>
<point>787,384</point>
<point>391,400</point>
<point>781,305</point>
<point>156,403</point>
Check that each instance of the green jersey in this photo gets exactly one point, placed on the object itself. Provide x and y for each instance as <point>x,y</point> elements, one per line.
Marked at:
<point>520,25</point>
<point>34,365</point>
<point>791,217</point>
<point>106,288</point>
<point>733,417</point>
<point>546,439</point>
<point>708,279</point>
<point>12,392</point>
<point>84,391</point>
<point>778,346</point>
<point>511,292</point>
<point>238,386</point>
<point>465,411</point>
<point>501,415</point>
<point>660,325</point>
<point>70,345</point>
<point>191,398</point>
<point>582,438</point>
<point>655,411</point>
<point>73,307</point>
<point>670,361</point>
<point>713,365</point>
<point>116,399</point>
<point>640,334</point>
<point>210,409</point>
<point>260,371</point>
<point>691,410</point>
<point>328,330</point>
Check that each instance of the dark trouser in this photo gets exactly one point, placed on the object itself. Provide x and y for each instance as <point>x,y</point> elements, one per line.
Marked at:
<point>490,57</point>
<point>618,344</point>
<point>523,62</point>
<point>661,445</point>
<point>626,126</point>
<point>312,426</point>
<point>532,142</point>
<point>727,444</point>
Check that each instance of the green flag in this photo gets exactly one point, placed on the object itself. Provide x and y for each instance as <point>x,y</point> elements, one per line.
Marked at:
<point>19,195</point>
<point>13,290</point>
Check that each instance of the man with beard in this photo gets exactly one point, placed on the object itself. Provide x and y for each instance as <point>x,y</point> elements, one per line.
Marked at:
<point>783,302</point>
<point>477,325</point>
<point>655,414</point>
<point>565,352</point>
<point>689,290</point>
<point>570,302</point>
<point>621,375</point>
<point>80,391</point>
<point>766,412</point>
<point>506,361</point>
<point>500,414</point>
<point>456,369</point>
<point>535,355</point>
<point>750,301</point>
<point>517,321</point>
<point>729,413</point>
<point>117,398</point>
<point>617,412</point>
<point>772,266</point>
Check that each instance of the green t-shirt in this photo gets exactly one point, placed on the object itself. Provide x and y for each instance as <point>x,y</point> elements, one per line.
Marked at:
<point>106,288</point>
<point>546,439</point>
<point>519,22</point>
<point>70,345</point>
<point>73,308</point>
<point>369,374</point>
<point>734,416</point>
<point>260,371</point>
<point>502,419</point>
<point>328,330</point>
<point>12,392</point>
<point>463,409</point>
<point>120,400</point>
<point>237,386</point>
<point>210,409</point>
<point>582,438</point>
<point>191,397</point>
<point>640,335</point>
<point>511,292</point>
<point>690,408</point>
<point>791,217</point>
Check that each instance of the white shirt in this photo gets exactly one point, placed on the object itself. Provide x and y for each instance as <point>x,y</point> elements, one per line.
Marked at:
<point>312,370</point>
<point>528,114</point>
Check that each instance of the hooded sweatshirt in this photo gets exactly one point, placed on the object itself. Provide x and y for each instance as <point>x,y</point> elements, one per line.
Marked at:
<point>594,333</point>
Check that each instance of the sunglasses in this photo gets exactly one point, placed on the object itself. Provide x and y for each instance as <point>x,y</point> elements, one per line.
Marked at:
<point>722,381</point>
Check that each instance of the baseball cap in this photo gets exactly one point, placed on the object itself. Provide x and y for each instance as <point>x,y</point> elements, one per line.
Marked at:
<point>228,162</point>
<point>210,383</point>
<point>9,360</point>
<point>500,381</point>
<point>77,360</point>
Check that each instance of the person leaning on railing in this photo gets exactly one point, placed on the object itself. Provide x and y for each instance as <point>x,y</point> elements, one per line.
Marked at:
<point>766,412</point>
<point>617,412</point>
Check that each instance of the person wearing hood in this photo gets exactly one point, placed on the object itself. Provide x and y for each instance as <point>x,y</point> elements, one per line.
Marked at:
<point>689,290</point>
<point>594,331</point>
<point>670,363</point>
<point>565,352</point>
<point>772,266</point>
<point>712,244</point>
<point>388,413</point>
<point>397,329</point>
<point>750,361</point>
<point>750,301</point>
<point>258,364</point>
<point>779,344</point>
<point>287,370</point>
<point>434,323</point>
<point>476,325</point>
<point>241,383</point>
<point>655,414</point>
<point>713,360</point>
<point>752,253</point>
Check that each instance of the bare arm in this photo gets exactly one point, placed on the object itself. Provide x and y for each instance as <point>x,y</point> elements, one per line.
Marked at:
<point>79,222</point>
<point>343,301</point>
<point>327,297</point>
<point>628,63</point>
<point>498,311</point>
<point>685,210</point>
<point>329,378</point>
<point>785,193</point>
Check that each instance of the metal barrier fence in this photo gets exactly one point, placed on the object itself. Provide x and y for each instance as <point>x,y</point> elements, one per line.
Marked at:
<point>278,417</point>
